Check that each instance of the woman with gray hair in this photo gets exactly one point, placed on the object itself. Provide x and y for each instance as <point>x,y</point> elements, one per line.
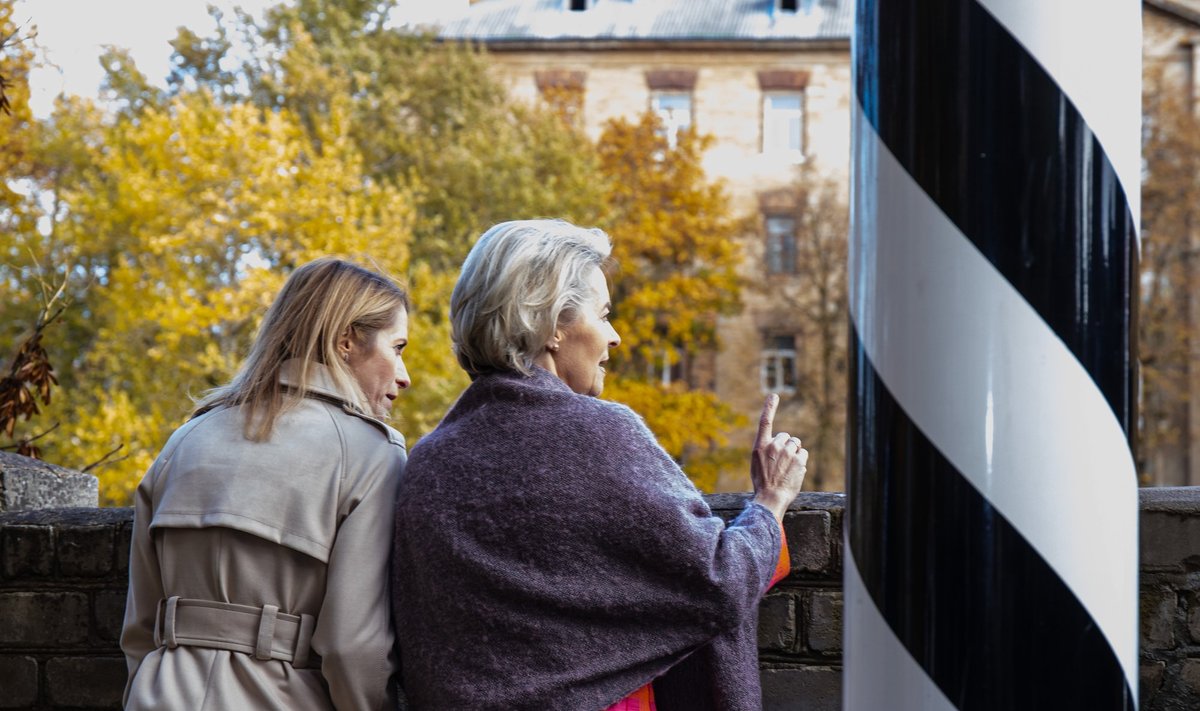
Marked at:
<point>258,573</point>
<point>548,552</point>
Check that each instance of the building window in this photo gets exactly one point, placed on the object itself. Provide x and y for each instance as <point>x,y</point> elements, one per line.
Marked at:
<point>783,123</point>
<point>671,99</point>
<point>664,370</point>
<point>781,244</point>
<point>779,365</point>
<point>794,6</point>
<point>674,109</point>
<point>563,92</point>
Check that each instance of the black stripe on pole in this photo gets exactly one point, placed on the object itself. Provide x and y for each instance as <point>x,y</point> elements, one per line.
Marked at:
<point>980,611</point>
<point>995,142</point>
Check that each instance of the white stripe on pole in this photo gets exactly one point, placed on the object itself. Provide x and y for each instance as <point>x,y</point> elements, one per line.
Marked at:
<point>958,346</point>
<point>883,676</point>
<point>1094,53</point>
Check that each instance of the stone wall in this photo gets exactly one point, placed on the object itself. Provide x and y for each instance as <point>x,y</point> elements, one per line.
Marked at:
<point>62,593</point>
<point>62,598</point>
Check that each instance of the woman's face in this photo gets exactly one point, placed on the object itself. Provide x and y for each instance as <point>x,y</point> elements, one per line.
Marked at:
<point>582,345</point>
<point>378,365</point>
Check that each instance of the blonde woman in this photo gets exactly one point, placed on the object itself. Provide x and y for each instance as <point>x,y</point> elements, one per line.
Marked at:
<point>258,571</point>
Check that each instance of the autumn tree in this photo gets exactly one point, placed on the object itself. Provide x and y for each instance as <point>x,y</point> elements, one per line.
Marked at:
<point>181,210</point>
<point>427,117</point>
<point>189,219</point>
<point>28,304</point>
<point>1170,303</point>
<point>18,210</point>
<point>674,239</point>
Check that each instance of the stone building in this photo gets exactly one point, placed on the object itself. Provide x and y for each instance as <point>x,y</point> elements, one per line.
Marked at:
<point>768,79</point>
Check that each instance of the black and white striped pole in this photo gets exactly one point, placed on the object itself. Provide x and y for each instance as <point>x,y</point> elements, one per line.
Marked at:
<point>992,499</point>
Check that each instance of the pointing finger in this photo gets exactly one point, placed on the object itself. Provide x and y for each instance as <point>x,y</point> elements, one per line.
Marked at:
<point>767,422</point>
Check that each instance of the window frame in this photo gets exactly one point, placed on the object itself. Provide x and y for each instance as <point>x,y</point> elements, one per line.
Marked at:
<point>672,128</point>
<point>774,361</point>
<point>786,266</point>
<point>774,116</point>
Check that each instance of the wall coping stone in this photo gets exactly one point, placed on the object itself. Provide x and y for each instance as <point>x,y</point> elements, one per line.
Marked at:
<point>68,517</point>
<point>33,484</point>
<point>1170,499</point>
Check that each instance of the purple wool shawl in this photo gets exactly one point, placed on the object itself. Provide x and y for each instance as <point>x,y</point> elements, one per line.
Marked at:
<point>550,554</point>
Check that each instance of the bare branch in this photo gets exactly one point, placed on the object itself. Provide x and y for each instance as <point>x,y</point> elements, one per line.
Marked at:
<point>25,441</point>
<point>104,461</point>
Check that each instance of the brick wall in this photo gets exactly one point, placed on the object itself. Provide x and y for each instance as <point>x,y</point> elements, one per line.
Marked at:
<point>62,596</point>
<point>800,620</point>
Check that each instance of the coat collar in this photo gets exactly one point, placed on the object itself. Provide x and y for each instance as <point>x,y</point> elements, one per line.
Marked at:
<point>320,380</point>
<point>322,386</point>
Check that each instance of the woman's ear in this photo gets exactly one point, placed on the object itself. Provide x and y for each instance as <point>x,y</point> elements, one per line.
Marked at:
<point>344,345</point>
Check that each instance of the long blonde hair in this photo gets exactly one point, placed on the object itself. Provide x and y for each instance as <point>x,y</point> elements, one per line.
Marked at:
<point>320,302</point>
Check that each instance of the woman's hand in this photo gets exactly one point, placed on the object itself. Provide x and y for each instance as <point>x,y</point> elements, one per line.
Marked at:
<point>777,465</point>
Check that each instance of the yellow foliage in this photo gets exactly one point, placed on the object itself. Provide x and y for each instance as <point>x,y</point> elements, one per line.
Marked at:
<point>673,238</point>
<point>198,210</point>
<point>674,242</point>
<point>177,217</point>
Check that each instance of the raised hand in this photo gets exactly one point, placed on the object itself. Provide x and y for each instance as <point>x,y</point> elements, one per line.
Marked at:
<point>777,464</point>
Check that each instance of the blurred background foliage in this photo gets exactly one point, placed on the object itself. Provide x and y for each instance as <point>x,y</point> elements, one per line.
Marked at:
<point>167,220</point>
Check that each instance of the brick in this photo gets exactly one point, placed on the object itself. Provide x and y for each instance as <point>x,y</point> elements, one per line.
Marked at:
<point>20,682</point>
<point>85,551</point>
<point>109,615</point>
<point>1189,679</point>
<point>86,682</point>
<point>123,543</point>
<point>808,688</point>
<point>823,625</point>
<point>28,551</point>
<point>1158,610</point>
<point>809,540</point>
<point>1151,676</point>
<point>43,619</point>
<point>777,623</point>
<point>1193,617</point>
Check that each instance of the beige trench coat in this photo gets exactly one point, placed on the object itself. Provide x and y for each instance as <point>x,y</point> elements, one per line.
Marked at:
<point>303,523</point>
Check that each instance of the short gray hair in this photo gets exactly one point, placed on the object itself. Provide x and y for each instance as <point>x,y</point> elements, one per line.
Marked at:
<point>521,281</point>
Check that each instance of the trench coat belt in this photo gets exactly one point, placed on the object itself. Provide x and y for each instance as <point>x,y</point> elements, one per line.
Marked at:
<point>264,632</point>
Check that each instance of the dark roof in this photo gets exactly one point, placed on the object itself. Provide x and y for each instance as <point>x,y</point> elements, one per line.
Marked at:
<point>1175,9</point>
<point>549,21</point>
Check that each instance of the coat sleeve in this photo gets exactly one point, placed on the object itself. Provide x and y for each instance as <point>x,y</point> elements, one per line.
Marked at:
<point>354,628</point>
<point>145,584</point>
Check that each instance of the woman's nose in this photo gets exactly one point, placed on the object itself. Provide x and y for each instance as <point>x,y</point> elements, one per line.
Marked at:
<point>615,338</point>
<point>402,378</point>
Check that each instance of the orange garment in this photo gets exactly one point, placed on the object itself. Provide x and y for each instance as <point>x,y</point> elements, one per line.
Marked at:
<point>643,698</point>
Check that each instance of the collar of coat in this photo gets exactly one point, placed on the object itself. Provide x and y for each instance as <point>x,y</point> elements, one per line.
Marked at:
<point>322,386</point>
